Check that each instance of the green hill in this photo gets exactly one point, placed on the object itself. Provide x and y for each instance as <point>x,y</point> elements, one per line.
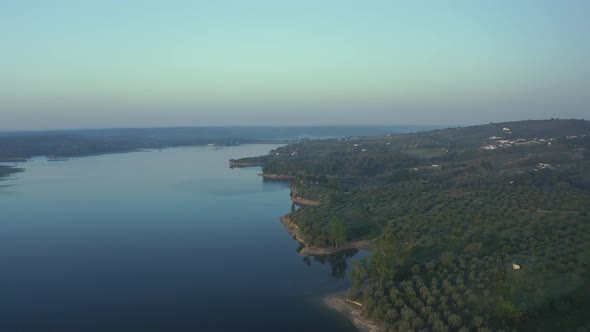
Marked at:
<point>450,211</point>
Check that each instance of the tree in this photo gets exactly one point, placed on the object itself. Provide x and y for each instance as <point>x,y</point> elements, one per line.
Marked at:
<point>381,269</point>
<point>418,323</point>
<point>455,321</point>
<point>358,274</point>
<point>510,311</point>
<point>336,232</point>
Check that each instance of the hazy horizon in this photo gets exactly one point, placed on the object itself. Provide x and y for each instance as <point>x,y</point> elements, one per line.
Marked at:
<point>269,126</point>
<point>69,65</point>
<point>229,127</point>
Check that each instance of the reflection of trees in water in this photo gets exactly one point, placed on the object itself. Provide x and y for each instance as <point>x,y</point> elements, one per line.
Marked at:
<point>337,261</point>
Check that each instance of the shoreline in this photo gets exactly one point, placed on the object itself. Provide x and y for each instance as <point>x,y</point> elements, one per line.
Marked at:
<point>292,229</point>
<point>337,302</point>
<point>243,164</point>
<point>278,177</point>
<point>352,311</point>
<point>300,200</point>
<point>308,250</point>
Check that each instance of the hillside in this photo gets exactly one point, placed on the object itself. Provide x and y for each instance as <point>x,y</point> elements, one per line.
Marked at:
<point>476,227</point>
<point>20,145</point>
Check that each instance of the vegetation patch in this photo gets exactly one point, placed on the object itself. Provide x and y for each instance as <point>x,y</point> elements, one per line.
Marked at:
<point>477,228</point>
<point>425,153</point>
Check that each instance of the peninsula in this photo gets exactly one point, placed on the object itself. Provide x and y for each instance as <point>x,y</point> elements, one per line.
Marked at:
<point>471,228</point>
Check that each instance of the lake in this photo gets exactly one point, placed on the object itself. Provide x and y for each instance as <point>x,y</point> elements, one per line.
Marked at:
<point>159,240</point>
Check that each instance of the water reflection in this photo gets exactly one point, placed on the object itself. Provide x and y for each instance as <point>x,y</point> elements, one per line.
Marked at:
<point>146,245</point>
<point>338,261</point>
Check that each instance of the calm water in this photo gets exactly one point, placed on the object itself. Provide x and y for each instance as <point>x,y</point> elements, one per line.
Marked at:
<point>168,240</point>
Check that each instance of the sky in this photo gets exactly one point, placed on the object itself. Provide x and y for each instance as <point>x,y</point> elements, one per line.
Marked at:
<point>96,64</point>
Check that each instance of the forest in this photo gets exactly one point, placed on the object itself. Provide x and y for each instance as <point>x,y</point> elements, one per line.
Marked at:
<point>475,229</point>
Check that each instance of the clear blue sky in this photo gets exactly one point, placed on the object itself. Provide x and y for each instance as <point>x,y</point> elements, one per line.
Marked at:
<point>71,64</point>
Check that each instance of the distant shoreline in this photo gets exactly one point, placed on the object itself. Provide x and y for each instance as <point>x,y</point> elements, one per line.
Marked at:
<point>279,177</point>
<point>243,164</point>
<point>22,159</point>
<point>62,158</point>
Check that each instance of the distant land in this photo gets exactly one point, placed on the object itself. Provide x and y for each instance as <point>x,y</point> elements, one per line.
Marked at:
<point>20,145</point>
<point>472,229</point>
<point>7,170</point>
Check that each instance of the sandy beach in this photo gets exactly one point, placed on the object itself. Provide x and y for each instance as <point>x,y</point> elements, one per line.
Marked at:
<point>281,177</point>
<point>352,311</point>
<point>318,251</point>
<point>243,164</point>
<point>302,201</point>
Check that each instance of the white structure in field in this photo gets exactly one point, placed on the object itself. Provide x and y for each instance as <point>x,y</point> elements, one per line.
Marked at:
<point>515,266</point>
